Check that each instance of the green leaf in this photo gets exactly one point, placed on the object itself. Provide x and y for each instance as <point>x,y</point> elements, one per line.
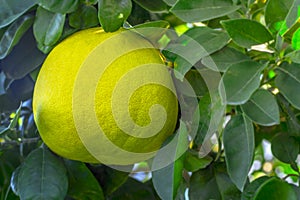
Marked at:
<point>240,81</point>
<point>276,11</point>
<point>296,40</point>
<point>293,13</point>
<point>170,2</point>
<point>238,137</point>
<point>42,176</point>
<point>250,190</point>
<point>226,187</point>
<point>10,10</point>
<point>223,59</point>
<point>294,56</point>
<point>154,6</point>
<point>275,189</point>
<point>133,189</point>
<point>47,28</point>
<point>262,108</point>
<point>203,185</point>
<point>193,45</point>
<point>85,17</point>
<point>285,148</point>
<point>113,13</point>
<point>246,33</point>
<point>202,10</point>
<point>14,181</point>
<point>82,183</point>
<point>167,179</point>
<point>14,33</point>
<point>24,58</point>
<point>212,112</point>
<point>288,82</point>
<point>58,6</point>
<point>193,163</point>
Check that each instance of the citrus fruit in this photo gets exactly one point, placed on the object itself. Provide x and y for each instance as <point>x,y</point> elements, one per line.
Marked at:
<point>114,80</point>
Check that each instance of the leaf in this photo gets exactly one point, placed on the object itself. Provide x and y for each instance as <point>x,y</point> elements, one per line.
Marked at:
<point>252,188</point>
<point>170,2</point>
<point>10,10</point>
<point>193,163</point>
<point>293,14</point>
<point>285,148</point>
<point>133,189</point>
<point>294,56</point>
<point>85,17</point>
<point>82,183</point>
<point>14,33</point>
<point>288,82</point>
<point>24,58</point>
<point>238,138</point>
<point>276,11</point>
<point>226,187</point>
<point>275,189</point>
<point>47,28</point>
<point>14,181</point>
<point>167,179</point>
<point>193,45</point>
<point>154,6</point>
<point>42,176</point>
<point>223,59</point>
<point>203,185</point>
<point>113,13</point>
<point>202,10</point>
<point>296,40</point>
<point>58,6</point>
<point>246,33</point>
<point>262,108</point>
<point>240,81</point>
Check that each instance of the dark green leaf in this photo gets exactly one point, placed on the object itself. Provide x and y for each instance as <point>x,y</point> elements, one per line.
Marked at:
<point>226,187</point>
<point>238,137</point>
<point>10,10</point>
<point>42,176</point>
<point>133,189</point>
<point>167,179</point>
<point>285,148</point>
<point>223,59</point>
<point>246,33</point>
<point>47,28</point>
<point>240,81</point>
<point>212,111</point>
<point>14,33</point>
<point>156,6</point>
<point>293,13</point>
<point>24,58</point>
<point>193,45</point>
<point>202,10</point>
<point>252,188</point>
<point>193,163</point>
<point>275,189</point>
<point>85,17</point>
<point>113,13</point>
<point>294,56</point>
<point>203,185</point>
<point>262,108</point>
<point>82,183</point>
<point>58,6</point>
<point>14,181</point>
<point>276,11</point>
<point>288,82</point>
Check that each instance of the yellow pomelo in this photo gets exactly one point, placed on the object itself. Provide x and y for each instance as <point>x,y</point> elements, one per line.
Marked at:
<point>124,98</point>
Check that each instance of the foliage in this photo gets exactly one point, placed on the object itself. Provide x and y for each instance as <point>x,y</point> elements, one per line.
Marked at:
<point>253,45</point>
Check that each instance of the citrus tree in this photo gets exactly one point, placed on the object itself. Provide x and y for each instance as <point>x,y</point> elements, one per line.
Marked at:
<point>235,66</point>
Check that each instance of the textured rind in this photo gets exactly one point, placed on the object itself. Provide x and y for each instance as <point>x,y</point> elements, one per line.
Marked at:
<point>52,101</point>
